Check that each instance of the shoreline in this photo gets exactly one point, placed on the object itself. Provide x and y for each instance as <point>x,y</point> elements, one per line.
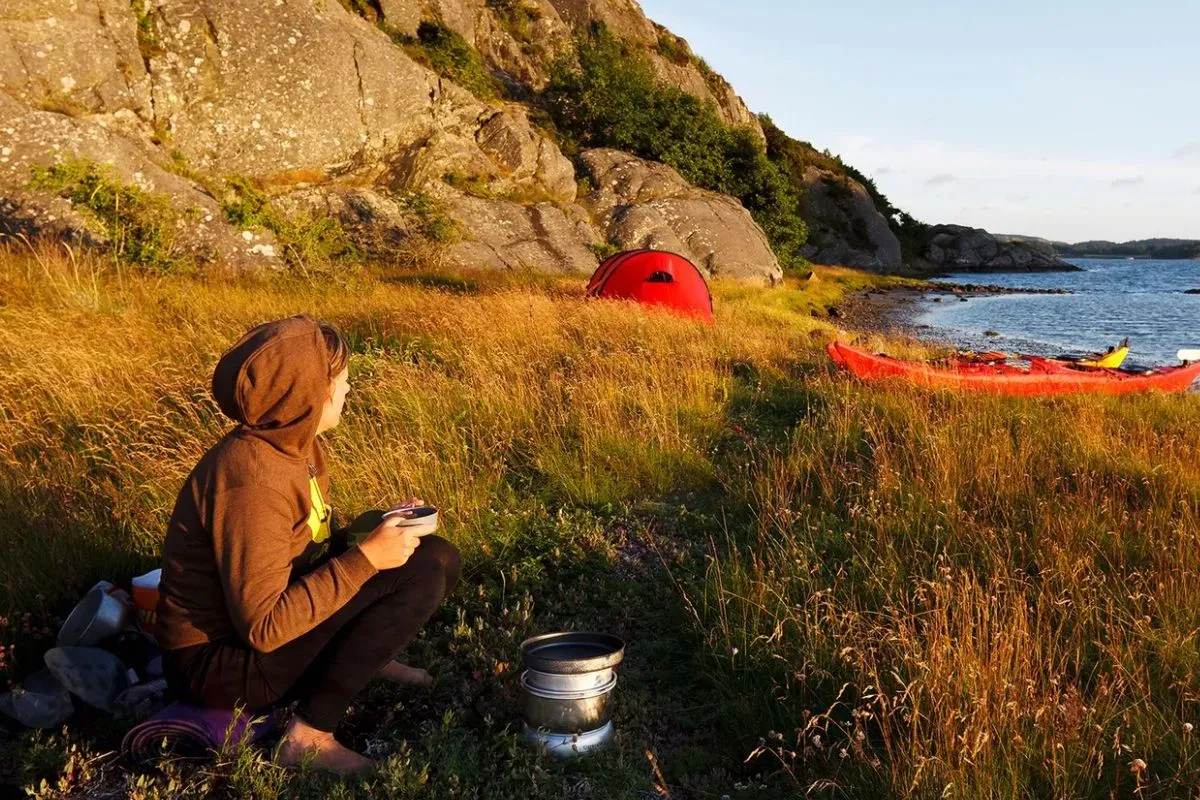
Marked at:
<point>893,311</point>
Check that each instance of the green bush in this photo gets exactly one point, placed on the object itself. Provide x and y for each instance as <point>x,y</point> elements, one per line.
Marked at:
<point>451,56</point>
<point>305,242</point>
<point>436,225</point>
<point>672,48</point>
<point>140,226</point>
<point>516,17</point>
<point>604,250</point>
<point>610,97</point>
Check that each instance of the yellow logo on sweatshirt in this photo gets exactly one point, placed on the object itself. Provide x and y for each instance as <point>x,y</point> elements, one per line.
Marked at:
<point>318,516</point>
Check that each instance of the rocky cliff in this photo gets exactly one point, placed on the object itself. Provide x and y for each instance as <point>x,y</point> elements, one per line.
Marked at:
<point>325,112</point>
<point>844,225</point>
<point>523,38</point>
<point>414,125</point>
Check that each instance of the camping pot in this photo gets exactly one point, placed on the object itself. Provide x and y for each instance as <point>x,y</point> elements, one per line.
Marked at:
<point>567,682</point>
<point>98,615</point>
<point>566,711</point>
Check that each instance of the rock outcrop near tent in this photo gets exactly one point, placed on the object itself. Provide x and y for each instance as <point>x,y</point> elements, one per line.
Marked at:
<point>643,204</point>
<point>29,136</point>
<point>543,237</point>
<point>330,116</point>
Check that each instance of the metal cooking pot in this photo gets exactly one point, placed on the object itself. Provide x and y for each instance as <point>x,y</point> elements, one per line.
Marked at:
<point>566,711</point>
<point>97,616</point>
<point>573,652</point>
<point>567,684</point>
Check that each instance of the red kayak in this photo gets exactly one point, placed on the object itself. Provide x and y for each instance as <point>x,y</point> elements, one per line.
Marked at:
<point>1039,379</point>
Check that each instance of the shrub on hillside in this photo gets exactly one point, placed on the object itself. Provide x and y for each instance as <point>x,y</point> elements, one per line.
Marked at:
<point>450,55</point>
<point>516,17</point>
<point>673,48</point>
<point>609,97</point>
<point>305,242</point>
<point>140,226</point>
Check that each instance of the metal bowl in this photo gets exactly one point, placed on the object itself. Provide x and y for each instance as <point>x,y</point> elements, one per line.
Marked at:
<point>97,616</point>
<point>569,745</point>
<point>572,653</point>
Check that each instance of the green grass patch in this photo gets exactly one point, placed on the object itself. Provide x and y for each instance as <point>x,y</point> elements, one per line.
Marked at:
<point>434,223</point>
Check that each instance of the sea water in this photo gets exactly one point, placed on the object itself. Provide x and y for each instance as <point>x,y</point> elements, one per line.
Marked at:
<point>1110,299</point>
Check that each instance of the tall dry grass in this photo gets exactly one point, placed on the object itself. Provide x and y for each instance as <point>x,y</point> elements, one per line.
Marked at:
<point>467,390</point>
<point>988,597</point>
<point>914,593</point>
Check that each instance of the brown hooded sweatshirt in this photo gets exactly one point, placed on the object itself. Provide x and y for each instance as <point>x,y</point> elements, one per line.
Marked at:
<point>252,517</point>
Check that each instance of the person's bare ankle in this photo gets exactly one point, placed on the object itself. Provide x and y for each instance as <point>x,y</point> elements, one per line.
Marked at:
<point>304,744</point>
<point>403,674</point>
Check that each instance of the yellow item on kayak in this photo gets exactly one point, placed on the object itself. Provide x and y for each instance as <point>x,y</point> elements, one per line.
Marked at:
<point>1110,360</point>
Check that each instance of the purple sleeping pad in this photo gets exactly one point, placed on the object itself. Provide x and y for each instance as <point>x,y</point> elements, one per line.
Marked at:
<point>192,730</point>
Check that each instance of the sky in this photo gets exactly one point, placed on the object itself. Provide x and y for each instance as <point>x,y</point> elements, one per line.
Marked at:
<point>1070,120</point>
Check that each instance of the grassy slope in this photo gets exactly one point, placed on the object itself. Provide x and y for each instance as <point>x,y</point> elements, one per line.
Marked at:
<point>875,589</point>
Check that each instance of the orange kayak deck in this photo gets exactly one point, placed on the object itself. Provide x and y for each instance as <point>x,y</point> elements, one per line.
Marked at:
<point>1014,382</point>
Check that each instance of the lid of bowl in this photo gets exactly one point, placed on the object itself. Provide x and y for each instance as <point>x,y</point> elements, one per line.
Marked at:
<point>572,652</point>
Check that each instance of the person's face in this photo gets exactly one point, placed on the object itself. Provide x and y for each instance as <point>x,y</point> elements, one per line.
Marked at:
<point>331,414</point>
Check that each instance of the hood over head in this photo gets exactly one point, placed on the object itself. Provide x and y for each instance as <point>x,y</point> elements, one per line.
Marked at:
<point>275,382</point>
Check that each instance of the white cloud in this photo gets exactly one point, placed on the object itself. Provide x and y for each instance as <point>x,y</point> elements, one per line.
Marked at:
<point>858,141</point>
<point>1187,152</point>
<point>937,158</point>
<point>1057,195</point>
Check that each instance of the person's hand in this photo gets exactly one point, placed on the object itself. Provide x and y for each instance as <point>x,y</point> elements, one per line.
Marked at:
<point>411,502</point>
<point>389,545</point>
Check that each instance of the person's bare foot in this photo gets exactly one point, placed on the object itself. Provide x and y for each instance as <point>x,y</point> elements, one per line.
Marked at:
<point>403,674</point>
<point>304,744</point>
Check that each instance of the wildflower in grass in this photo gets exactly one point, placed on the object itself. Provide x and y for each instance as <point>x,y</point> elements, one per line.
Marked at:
<point>1187,727</point>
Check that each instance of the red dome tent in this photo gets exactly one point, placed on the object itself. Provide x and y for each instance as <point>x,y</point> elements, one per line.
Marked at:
<point>654,277</point>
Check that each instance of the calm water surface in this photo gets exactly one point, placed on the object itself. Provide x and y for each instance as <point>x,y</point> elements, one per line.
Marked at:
<point>1111,299</point>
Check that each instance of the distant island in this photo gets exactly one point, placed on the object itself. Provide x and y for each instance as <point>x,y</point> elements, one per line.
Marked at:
<point>1141,248</point>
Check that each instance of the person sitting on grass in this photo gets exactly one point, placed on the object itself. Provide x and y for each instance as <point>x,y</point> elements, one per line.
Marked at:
<point>261,604</point>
